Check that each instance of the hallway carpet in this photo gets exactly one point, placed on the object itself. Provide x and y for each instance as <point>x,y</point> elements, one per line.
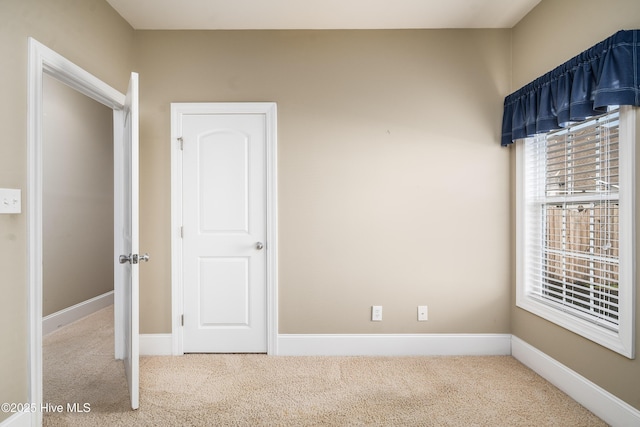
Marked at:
<point>257,390</point>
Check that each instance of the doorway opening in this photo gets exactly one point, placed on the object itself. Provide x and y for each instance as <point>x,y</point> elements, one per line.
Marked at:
<point>78,204</point>
<point>45,62</point>
<point>78,211</point>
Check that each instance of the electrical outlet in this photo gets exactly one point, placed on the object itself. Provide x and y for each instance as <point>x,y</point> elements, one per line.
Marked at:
<point>423,313</point>
<point>376,313</point>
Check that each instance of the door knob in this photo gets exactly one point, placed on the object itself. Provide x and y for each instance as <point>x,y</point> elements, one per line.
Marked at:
<point>259,246</point>
<point>133,258</point>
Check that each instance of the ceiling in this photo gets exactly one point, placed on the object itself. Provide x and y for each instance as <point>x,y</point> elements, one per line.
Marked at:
<point>320,14</point>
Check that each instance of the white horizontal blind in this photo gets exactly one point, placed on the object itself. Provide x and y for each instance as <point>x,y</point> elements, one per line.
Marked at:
<point>573,192</point>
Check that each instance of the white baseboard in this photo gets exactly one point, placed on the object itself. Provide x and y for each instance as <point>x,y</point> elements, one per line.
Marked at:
<point>76,312</point>
<point>605,405</point>
<point>394,344</point>
<point>19,419</point>
<point>156,345</point>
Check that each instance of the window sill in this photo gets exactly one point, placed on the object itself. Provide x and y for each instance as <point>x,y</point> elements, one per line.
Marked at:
<point>612,340</point>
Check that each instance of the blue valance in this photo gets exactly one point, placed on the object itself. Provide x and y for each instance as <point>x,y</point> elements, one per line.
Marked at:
<point>606,74</point>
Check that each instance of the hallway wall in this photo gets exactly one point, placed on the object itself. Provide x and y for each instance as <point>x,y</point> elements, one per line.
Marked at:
<point>77,197</point>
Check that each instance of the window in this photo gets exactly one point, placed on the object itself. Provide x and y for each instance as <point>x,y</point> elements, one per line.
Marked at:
<point>575,231</point>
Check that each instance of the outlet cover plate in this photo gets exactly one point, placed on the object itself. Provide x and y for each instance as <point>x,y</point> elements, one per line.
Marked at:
<point>376,313</point>
<point>423,313</point>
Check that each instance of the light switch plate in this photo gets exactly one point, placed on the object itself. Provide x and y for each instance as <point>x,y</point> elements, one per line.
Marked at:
<point>10,201</point>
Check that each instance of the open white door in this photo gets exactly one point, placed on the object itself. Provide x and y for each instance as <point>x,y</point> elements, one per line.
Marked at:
<point>127,341</point>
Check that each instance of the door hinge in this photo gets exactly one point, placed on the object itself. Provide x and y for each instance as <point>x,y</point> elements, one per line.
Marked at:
<point>181,143</point>
<point>181,232</point>
<point>182,319</point>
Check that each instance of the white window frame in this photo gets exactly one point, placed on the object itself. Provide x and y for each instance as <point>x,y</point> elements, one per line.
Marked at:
<point>622,340</point>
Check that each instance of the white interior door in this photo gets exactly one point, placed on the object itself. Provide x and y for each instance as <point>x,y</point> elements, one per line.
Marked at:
<point>127,243</point>
<point>224,232</point>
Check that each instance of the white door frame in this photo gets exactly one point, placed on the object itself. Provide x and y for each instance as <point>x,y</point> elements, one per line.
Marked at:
<point>44,60</point>
<point>271,186</point>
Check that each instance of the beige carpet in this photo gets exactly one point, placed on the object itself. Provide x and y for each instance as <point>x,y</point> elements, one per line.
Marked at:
<point>257,390</point>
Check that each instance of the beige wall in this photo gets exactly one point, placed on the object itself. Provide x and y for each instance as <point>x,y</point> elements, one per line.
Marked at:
<point>92,34</point>
<point>549,35</point>
<point>77,197</point>
<point>393,189</point>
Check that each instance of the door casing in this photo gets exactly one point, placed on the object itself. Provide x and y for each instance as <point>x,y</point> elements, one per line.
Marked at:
<point>44,60</point>
<point>177,287</point>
